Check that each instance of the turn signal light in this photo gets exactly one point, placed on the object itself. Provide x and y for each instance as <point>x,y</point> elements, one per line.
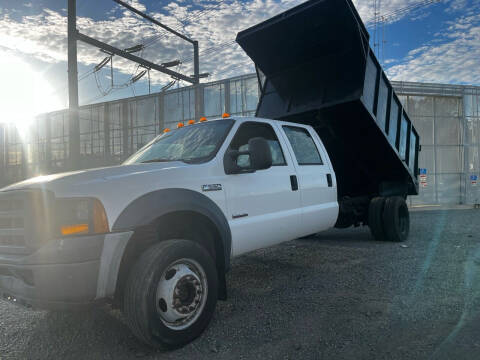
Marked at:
<point>225,115</point>
<point>100,221</point>
<point>180,125</point>
<point>75,229</point>
<point>203,119</point>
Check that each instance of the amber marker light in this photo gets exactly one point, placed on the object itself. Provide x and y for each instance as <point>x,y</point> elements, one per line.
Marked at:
<point>166,130</point>
<point>100,221</point>
<point>203,119</point>
<point>225,115</point>
<point>75,229</point>
<point>180,125</point>
<point>191,122</point>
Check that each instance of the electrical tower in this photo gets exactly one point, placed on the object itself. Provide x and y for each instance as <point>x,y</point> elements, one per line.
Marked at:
<point>380,22</point>
<point>378,29</point>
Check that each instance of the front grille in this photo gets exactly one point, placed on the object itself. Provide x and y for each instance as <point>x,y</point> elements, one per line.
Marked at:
<point>12,219</point>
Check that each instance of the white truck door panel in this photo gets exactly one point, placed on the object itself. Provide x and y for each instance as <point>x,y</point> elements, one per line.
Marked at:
<point>263,210</point>
<point>316,180</point>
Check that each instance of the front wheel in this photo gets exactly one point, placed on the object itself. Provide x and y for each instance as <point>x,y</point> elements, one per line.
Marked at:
<point>171,293</point>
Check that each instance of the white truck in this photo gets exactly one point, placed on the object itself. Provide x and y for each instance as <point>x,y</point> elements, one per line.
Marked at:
<point>158,232</point>
<point>156,235</point>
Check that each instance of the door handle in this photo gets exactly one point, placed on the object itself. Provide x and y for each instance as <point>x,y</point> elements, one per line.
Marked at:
<point>329,180</point>
<point>294,182</point>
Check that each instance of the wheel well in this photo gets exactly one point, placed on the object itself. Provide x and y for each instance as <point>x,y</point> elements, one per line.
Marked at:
<point>187,225</point>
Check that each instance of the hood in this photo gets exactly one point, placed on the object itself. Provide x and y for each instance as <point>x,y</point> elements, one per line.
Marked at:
<point>91,176</point>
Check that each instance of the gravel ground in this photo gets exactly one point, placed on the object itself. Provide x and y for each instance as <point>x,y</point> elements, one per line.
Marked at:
<point>337,295</point>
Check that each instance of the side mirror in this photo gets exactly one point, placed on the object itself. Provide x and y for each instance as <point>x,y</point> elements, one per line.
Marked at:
<point>259,157</point>
<point>260,154</point>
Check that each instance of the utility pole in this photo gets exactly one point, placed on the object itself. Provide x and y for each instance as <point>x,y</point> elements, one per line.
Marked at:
<point>196,63</point>
<point>74,125</point>
<point>196,75</point>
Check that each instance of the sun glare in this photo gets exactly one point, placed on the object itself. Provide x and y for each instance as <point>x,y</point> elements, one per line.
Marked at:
<point>23,93</point>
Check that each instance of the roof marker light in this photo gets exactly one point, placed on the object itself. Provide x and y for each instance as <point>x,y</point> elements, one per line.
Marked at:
<point>191,122</point>
<point>225,115</point>
<point>166,130</point>
<point>203,119</point>
<point>180,125</point>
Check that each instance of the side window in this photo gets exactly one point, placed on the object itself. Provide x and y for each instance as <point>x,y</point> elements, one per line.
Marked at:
<point>303,146</point>
<point>251,130</point>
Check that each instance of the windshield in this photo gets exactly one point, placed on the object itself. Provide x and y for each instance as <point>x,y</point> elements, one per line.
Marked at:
<point>193,144</point>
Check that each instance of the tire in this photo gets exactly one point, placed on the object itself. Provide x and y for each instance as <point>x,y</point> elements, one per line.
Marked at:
<point>375,218</point>
<point>344,221</point>
<point>396,219</point>
<point>167,281</point>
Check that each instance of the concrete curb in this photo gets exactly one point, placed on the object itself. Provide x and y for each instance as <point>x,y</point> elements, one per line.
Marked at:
<point>441,207</point>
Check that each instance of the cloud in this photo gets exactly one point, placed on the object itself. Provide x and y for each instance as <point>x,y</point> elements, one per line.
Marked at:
<point>456,5</point>
<point>43,36</point>
<point>453,58</point>
<point>213,23</point>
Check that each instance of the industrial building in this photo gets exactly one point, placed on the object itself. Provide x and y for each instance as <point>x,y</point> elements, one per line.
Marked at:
<point>446,117</point>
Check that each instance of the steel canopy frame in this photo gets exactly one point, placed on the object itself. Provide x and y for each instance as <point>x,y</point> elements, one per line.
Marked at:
<point>74,35</point>
<point>134,58</point>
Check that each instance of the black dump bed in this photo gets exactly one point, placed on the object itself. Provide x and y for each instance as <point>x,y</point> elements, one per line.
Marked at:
<point>316,67</point>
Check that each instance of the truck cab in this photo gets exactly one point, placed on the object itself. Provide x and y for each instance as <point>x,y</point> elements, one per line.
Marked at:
<point>155,235</point>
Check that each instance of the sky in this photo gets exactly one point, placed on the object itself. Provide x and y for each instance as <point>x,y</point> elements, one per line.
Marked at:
<point>436,41</point>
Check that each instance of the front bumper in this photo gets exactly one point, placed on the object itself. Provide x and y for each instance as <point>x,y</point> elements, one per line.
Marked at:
<point>64,273</point>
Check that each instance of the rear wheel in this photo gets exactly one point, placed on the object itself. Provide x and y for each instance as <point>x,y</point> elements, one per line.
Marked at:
<point>375,218</point>
<point>396,219</point>
<point>171,293</point>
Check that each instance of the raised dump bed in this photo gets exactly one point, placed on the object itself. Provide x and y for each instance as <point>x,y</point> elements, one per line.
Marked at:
<point>316,67</point>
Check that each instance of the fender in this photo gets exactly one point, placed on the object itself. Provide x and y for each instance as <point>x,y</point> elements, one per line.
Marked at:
<point>153,205</point>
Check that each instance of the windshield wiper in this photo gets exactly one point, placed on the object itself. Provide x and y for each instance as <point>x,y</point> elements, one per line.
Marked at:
<point>156,160</point>
<point>195,160</point>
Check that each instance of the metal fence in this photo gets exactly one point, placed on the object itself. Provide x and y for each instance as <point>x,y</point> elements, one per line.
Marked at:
<point>446,117</point>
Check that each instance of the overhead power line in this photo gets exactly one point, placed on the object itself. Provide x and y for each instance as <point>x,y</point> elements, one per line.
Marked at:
<point>202,13</point>
<point>402,11</point>
<point>379,21</point>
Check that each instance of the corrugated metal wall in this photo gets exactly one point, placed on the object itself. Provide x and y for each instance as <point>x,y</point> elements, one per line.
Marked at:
<point>446,117</point>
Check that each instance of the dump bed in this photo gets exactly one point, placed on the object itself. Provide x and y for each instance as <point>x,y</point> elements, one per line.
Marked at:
<point>316,67</point>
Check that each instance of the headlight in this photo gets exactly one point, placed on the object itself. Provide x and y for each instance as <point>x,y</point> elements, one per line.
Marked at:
<point>80,216</point>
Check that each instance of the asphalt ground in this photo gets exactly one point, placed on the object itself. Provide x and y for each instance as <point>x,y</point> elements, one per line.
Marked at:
<point>337,295</point>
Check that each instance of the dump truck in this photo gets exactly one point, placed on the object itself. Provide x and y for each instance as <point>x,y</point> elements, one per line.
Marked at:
<point>155,235</point>
<point>315,67</point>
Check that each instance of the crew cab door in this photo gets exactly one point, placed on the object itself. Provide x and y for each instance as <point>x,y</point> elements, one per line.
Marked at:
<point>316,179</point>
<point>263,206</point>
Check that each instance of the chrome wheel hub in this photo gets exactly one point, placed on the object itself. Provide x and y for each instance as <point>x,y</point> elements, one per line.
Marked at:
<point>181,294</point>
